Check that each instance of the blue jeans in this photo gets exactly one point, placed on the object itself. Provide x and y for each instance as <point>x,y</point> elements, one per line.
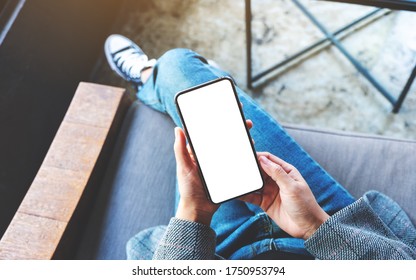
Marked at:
<point>243,230</point>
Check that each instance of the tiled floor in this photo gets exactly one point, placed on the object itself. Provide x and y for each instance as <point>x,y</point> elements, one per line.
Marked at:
<point>323,91</point>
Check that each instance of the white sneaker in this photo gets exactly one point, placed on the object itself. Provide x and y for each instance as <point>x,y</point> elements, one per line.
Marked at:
<point>126,58</point>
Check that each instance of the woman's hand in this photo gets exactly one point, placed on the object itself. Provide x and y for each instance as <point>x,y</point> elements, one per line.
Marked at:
<point>194,204</point>
<point>287,198</point>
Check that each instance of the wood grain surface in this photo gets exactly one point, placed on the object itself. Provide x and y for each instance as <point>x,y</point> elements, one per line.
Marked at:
<point>45,213</point>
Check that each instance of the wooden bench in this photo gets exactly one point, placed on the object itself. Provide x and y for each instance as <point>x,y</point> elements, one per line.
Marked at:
<point>51,216</point>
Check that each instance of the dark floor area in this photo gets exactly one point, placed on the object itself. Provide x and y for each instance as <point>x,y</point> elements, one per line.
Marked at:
<point>51,47</point>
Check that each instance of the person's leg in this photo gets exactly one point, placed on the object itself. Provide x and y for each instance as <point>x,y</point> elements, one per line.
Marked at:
<point>180,69</point>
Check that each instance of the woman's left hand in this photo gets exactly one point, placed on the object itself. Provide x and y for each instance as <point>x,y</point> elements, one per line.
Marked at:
<point>194,204</point>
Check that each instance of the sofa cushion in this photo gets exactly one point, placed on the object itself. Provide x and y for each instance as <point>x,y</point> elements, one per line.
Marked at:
<point>364,162</point>
<point>139,188</point>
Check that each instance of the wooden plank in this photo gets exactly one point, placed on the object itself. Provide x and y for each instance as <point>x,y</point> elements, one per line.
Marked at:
<point>76,146</point>
<point>54,194</point>
<point>31,237</point>
<point>66,173</point>
<point>97,107</point>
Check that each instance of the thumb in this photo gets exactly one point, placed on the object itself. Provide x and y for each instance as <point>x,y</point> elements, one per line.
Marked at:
<point>276,172</point>
<point>182,156</point>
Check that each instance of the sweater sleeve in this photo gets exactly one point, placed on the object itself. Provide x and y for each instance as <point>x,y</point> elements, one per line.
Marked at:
<point>358,232</point>
<point>186,240</point>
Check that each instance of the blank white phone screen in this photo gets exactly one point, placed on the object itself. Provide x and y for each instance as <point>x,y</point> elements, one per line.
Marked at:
<point>220,141</point>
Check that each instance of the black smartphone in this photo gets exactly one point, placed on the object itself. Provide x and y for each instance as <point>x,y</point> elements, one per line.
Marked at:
<point>216,130</point>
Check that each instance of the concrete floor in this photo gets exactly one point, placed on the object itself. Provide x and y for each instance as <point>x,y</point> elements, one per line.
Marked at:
<point>324,90</point>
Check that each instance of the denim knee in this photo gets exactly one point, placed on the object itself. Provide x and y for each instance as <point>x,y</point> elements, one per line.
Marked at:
<point>178,59</point>
<point>176,68</point>
<point>187,65</point>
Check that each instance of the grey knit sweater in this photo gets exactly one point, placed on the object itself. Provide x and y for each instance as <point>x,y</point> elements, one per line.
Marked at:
<point>373,227</point>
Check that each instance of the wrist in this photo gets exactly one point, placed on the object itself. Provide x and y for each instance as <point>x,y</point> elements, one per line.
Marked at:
<point>187,211</point>
<point>321,218</point>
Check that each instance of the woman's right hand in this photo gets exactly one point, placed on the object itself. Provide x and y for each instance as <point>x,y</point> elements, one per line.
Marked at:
<point>287,198</point>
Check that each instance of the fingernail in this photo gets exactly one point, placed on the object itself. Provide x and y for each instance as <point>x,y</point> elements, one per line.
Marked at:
<point>265,160</point>
<point>176,132</point>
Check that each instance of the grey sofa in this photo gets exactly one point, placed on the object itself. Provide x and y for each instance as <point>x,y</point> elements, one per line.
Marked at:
<point>138,188</point>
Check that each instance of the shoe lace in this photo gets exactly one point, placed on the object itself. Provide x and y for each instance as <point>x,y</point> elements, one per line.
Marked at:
<point>131,62</point>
